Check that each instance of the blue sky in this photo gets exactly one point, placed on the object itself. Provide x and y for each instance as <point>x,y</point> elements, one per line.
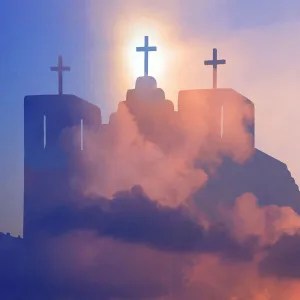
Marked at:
<point>34,32</point>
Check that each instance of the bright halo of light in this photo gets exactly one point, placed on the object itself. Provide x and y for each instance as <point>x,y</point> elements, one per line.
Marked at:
<point>128,64</point>
<point>135,60</point>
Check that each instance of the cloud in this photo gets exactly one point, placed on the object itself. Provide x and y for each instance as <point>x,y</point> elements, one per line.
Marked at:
<point>283,258</point>
<point>134,218</point>
<point>120,156</point>
<point>130,246</point>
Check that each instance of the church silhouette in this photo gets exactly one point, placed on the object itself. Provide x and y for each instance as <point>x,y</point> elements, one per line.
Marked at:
<point>213,130</point>
<point>48,166</point>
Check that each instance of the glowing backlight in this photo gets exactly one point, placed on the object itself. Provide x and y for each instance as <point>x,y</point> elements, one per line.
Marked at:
<point>135,60</point>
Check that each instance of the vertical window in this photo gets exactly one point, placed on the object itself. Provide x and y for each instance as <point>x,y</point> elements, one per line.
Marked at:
<point>81,134</point>
<point>222,121</point>
<point>45,131</point>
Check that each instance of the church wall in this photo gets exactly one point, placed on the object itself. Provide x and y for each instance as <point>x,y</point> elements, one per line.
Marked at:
<point>223,116</point>
<point>53,126</point>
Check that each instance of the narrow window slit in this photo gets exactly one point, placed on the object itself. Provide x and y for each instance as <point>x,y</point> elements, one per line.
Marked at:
<point>45,131</point>
<point>222,121</point>
<point>81,134</point>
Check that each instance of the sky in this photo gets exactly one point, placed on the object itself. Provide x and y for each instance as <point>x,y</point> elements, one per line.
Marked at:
<point>258,40</point>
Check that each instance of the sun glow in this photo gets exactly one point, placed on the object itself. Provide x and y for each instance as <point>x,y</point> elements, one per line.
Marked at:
<point>128,64</point>
<point>133,61</point>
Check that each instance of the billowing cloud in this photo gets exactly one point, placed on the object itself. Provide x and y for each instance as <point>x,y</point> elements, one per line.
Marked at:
<point>132,247</point>
<point>133,217</point>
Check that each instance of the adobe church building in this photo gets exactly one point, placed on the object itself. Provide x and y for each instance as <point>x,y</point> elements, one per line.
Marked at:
<point>223,118</point>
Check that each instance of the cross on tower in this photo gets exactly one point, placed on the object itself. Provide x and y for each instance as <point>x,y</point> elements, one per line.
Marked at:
<point>215,62</point>
<point>146,49</point>
<point>60,68</point>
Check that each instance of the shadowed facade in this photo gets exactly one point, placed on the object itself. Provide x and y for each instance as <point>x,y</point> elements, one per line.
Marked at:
<point>226,116</point>
<point>219,123</point>
<point>227,121</point>
<point>153,114</point>
<point>246,170</point>
<point>47,165</point>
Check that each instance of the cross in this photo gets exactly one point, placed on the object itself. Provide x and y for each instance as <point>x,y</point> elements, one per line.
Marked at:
<point>215,62</point>
<point>60,68</point>
<point>146,49</point>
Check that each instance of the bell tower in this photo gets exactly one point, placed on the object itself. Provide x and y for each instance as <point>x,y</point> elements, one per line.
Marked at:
<point>48,164</point>
<point>147,105</point>
<point>226,118</point>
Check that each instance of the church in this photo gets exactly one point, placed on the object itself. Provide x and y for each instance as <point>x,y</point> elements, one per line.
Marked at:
<point>216,126</point>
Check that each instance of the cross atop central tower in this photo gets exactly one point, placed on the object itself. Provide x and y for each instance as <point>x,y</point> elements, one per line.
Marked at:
<point>146,49</point>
